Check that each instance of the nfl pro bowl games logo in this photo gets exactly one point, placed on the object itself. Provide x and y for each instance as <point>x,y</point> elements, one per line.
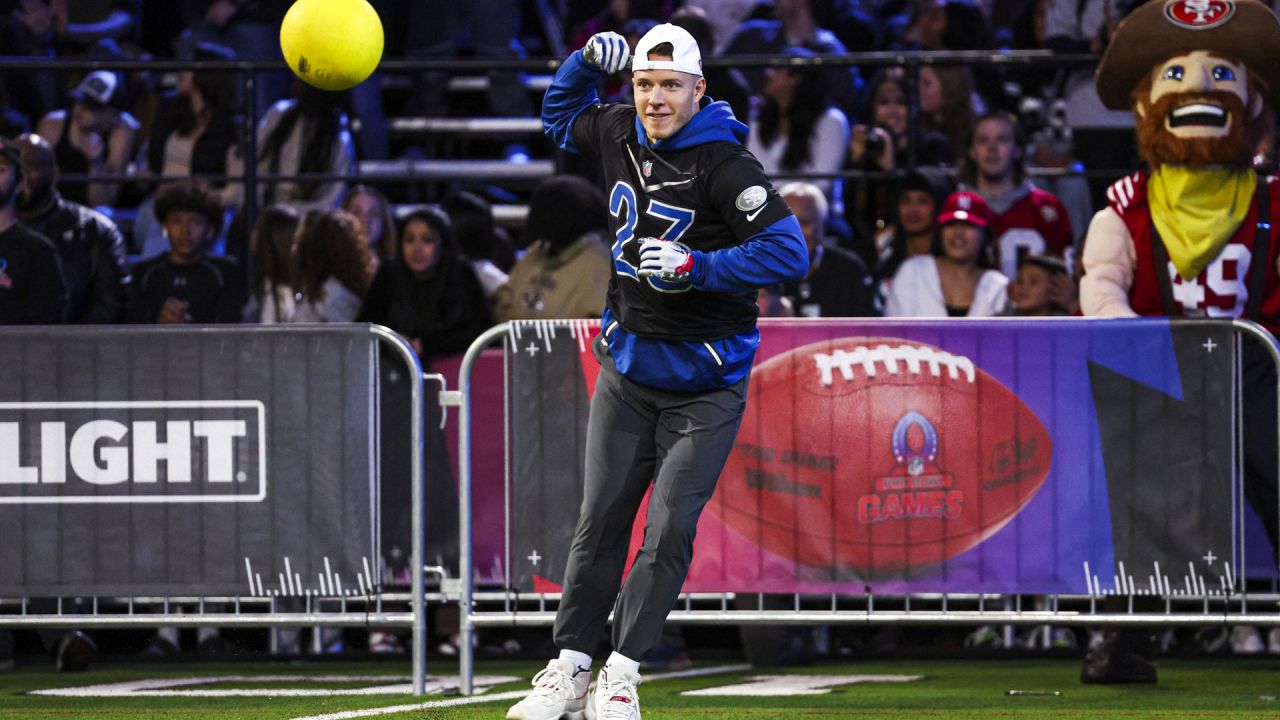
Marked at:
<point>133,452</point>
<point>916,487</point>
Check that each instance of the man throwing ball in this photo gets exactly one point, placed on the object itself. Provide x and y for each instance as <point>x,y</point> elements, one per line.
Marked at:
<point>699,229</point>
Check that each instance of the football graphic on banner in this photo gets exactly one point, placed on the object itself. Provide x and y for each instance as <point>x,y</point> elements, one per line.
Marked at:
<point>874,456</point>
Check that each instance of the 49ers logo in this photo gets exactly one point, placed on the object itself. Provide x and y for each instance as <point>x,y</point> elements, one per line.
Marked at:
<point>1199,14</point>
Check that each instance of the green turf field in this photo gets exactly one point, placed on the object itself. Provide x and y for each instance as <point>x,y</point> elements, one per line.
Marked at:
<point>953,690</point>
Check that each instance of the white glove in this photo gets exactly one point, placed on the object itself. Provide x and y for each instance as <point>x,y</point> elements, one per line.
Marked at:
<point>607,51</point>
<point>664,260</point>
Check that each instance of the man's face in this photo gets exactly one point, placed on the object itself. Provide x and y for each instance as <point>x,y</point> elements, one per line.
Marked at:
<point>189,234</point>
<point>994,149</point>
<point>38,168</point>
<point>666,100</point>
<point>10,181</point>
<point>812,224</point>
<point>1191,94</point>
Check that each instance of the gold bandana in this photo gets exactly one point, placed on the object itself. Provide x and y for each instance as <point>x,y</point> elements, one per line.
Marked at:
<point>1197,211</point>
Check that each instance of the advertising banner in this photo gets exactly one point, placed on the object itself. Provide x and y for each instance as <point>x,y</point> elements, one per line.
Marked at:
<point>1003,456</point>
<point>188,461</point>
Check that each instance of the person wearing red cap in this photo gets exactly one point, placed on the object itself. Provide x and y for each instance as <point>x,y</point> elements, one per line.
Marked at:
<point>958,278</point>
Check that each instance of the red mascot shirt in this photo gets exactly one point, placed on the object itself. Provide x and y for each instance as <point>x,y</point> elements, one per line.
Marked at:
<point>1221,290</point>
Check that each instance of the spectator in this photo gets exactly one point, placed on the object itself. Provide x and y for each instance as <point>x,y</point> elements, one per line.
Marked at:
<point>912,232</point>
<point>948,103</point>
<point>958,279</point>
<point>565,271</point>
<point>1104,139</point>
<point>795,25</point>
<point>885,145</point>
<point>26,30</point>
<point>492,255</point>
<point>435,28</point>
<point>729,82</point>
<point>90,245</point>
<point>187,284</point>
<point>333,267</point>
<point>772,303</point>
<point>960,25</point>
<point>250,29</point>
<point>304,135</point>
<point>1028,220</point>
<point>273,272</point>
<point>93,137</point>
<point>797,130</point>
<point>725,16</point>
<point>193,133</point>
<point>850,23</point>
<point>428,293</point>
<point>79,26</point>
<point>1042,287</point>
<point>32,291</point>
<point>372,212</point>
<point>838,283</point>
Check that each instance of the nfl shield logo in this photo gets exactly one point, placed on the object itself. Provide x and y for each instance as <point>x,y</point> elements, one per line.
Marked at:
<point>646,167</point>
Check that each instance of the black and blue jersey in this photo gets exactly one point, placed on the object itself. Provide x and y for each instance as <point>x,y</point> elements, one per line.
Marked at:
<point>699,188</point>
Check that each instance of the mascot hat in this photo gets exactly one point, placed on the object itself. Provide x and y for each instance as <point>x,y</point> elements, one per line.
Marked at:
<point>1245,30</point>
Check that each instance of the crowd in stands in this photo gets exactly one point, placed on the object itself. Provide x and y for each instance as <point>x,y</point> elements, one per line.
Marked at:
<point>120,197</point>
<point>134,177</point>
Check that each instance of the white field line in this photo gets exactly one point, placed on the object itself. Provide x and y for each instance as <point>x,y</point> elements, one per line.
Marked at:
<point>172,687</point>
<point>514,695</point>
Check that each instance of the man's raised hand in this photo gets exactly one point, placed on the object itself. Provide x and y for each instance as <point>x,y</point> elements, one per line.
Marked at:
<point>607,51</point>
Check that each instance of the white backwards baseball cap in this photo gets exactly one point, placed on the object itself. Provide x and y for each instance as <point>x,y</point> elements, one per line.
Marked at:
<point>685,56</point>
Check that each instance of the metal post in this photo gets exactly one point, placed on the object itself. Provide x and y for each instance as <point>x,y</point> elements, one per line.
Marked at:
<point>417,512</point>
<point>466,628</point>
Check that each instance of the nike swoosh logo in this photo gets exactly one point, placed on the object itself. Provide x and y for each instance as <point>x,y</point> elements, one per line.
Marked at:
<point>752,216</point>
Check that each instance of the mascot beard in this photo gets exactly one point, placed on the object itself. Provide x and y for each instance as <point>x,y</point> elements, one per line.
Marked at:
<point>1159,146</point>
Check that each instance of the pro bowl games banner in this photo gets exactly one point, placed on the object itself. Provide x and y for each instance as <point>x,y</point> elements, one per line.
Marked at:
<point>192,461</point>
<point>1071,456</point>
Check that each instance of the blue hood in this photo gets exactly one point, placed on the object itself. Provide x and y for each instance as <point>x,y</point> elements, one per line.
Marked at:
<point>713,123</point>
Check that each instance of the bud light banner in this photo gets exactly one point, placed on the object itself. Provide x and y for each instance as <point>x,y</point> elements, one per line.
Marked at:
<point>1059,456</point>
<point>188,461</point>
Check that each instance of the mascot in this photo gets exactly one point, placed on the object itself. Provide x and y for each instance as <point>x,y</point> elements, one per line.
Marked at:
<point>1192,235</point>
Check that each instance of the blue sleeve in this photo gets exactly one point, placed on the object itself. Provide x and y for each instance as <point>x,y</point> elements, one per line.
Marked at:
<point>572,91</point>
<point>774,255</point>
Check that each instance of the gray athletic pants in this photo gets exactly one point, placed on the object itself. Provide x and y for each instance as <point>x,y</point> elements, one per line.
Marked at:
<point>637,435</point>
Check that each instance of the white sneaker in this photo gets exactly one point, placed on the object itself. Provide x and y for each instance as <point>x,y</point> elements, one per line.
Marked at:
<point>559,690</point>
<point>615,696</point>
<point>1246,640</point>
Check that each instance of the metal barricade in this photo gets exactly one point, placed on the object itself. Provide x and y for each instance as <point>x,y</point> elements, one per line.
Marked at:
<point>126,383</point>
<point>1202,601</point>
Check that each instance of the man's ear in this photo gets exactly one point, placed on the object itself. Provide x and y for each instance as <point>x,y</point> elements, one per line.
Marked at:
<point>699,89</point>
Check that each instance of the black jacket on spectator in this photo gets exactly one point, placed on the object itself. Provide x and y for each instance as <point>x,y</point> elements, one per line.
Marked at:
<point>446,309</point>
<point>32,291</point>
<point>93,265</point>
<point>212,286</point>
<point>839,285</point>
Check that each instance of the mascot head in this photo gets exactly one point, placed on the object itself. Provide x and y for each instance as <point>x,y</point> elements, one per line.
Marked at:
<point>1199,75</point>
